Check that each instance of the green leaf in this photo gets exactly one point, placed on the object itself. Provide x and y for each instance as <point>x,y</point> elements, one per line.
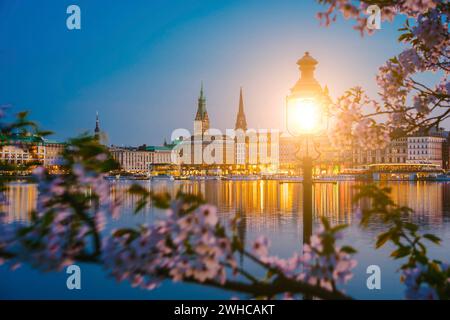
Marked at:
<point>270,273</point>
<point>339,228</point>
<point>411,226</point>
<point>23,231</point>
<point>422,259</point>
<point>401,252</point>
<point>44,133</point>
<point>382,239</point>
<point>432,238</point>
<point>326,223</point>
<point>137,189</point>
<point>140,205</point>
<point>161,201</point>
<point>348,249</point>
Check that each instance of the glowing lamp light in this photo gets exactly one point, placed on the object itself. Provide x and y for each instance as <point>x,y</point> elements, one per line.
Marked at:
<point>303,116</point>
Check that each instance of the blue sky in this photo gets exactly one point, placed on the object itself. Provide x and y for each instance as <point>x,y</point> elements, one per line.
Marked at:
<point>140,63</point>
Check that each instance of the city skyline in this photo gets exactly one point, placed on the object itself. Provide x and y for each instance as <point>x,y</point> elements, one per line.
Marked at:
<point>145,83</point>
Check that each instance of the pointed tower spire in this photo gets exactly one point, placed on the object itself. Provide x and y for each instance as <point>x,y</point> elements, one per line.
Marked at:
<point>97,125</point>
<point>201,122</point>
<point>201,106</point>
<point>241,122</point>
<point>241,101</point>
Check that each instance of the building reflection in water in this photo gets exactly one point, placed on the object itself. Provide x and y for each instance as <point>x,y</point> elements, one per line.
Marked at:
<point>21,201</point>
<point>266,204</point>
<point>426,198</point>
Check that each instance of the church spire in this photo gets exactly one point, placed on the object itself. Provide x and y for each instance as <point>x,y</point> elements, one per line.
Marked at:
<point>201,106</point>
<point>97,126</point>
<point>201,90</point>
<point>241,122</point>
<point>201,122</point>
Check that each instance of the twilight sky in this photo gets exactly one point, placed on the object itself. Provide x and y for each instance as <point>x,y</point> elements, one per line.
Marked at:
<point>140,63</point>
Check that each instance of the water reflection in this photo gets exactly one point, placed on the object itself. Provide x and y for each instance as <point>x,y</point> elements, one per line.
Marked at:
<point>21,201</point>
<point>266,204</point>
<point>266,207</point>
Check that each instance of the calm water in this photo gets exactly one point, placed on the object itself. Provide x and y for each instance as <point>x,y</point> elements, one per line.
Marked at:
<point>267,207</point>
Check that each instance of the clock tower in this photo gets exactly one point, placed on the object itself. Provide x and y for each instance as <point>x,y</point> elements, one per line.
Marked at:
<point>201,122</point>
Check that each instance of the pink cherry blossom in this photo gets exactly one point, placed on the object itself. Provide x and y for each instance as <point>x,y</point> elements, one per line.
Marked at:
<point>260,246</point>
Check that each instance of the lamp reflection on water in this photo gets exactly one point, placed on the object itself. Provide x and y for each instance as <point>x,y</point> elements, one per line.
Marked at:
<point>262,201</point>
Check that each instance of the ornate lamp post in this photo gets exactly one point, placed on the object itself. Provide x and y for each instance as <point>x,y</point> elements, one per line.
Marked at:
<point>305,118</point>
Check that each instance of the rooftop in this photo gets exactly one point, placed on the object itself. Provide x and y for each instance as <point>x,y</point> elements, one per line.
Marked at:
<point>5,139</point>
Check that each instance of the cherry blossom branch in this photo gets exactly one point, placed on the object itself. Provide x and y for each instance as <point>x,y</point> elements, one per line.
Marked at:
<point>424,278</point>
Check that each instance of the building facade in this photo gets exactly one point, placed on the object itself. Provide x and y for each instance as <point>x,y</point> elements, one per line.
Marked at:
<point>52,157</point>
<point>143,159</point>
<point>132,160</point>
<point>238,151</point>
<point>395,152</point>
<point>24,151</point>
<point>426,150</point>
<point>420,148</point>
<point>163,154</point>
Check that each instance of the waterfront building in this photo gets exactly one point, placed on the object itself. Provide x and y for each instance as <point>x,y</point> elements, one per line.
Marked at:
<point>422,147</point>
<point>25,152</point>
<point>329,160</point>
<point>163,154</point>
<point>52,154</point>
<point>211,152</point>
<point>18,150</point>
<point>144,159</point>
<point>132,160</point>
<point>426,149</point>
<point>164,159</point>
<point>395,152</point>
<point>255,151</point>
<point>289,154</point>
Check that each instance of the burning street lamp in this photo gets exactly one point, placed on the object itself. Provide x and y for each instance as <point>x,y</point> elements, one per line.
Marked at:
<point>305,118</point>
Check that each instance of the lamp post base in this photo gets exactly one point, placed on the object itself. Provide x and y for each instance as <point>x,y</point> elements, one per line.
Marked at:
<point>307,199</point>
